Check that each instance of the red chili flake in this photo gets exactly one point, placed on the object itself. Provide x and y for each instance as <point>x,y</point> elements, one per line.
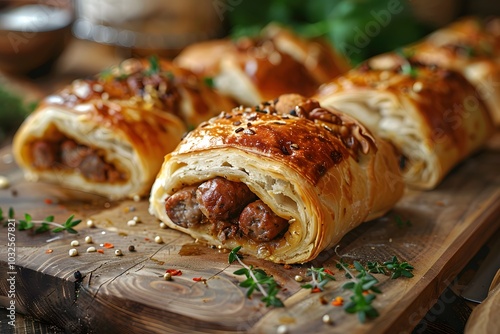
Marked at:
<point>100,251</point>
<point>198,279</point>
<point>48,201</point>
<point>174,272</point>
<point>328,271</point>
<point>48,251</point>
<point>108,245</point>
<point>338,301</point>
<point>315,290</point>
<point>147,239</point>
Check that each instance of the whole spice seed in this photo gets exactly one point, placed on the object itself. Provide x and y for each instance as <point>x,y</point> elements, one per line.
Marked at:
<point>75,243</point>
<point>90,223</point>
<point>131,248</point>
<point>239,129</point>
<point>326,319</point>
<point>73,252</point>
<point>132,222</point>
<point>88,239</point>
<point>91,249</point>
<point>118,252</point>
<point>163,225</point>
<point>167,276</point>
<point>158,239</point>
<point>298,278</point>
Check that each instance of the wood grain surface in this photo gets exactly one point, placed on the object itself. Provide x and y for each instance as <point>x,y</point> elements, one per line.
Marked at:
<point>128,293</point>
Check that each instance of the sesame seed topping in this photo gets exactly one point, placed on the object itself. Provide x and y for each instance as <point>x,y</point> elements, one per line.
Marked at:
<point>328,128</point>
<point>280,122</point>
<point>249,132</point>
<point>236,123</point>
<point>294,146</point>
<point>239,129</point>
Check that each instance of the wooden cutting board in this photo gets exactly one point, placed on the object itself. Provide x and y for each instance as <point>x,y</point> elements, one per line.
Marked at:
<point>120,294</point>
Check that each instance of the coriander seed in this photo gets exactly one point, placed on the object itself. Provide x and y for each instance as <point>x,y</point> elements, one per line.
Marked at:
<point>88,239</point>
<point>167,277</point>
<point>118,252</point>
<point>158,239</point>
<point>73,252</point>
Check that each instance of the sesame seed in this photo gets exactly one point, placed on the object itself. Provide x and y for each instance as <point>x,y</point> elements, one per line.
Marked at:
<point>249,132</point>
<point>328,128</point>
<point>294,146</point>
<point>239,129</point>
<point>417,86</point>
<point>280,122</point>
<point>132,222</point>
<point>236,123</point>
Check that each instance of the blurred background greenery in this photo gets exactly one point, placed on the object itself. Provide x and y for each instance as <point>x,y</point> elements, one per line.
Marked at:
<point>358,28</point>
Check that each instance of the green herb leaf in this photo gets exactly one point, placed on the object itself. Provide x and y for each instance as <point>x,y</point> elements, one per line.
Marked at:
<point>11,213</point>
<point>209,81</point>
<point>233,255</point>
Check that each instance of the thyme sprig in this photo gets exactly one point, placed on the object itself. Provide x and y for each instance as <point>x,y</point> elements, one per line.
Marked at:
<point>319,278</point>
<point>361,299</point>
<point>364,285</point>
<point>257,279</point>
<point>10,215</point>
<point>45,225</point>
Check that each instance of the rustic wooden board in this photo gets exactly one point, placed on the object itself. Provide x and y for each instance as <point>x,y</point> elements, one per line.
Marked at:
<point>117,294</point>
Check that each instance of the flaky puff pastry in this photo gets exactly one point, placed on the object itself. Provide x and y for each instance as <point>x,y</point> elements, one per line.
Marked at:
<point>320,170</point>
<point>471,47</point>
<point>126,118</point>
<point>257,69</point>
<point>433,116</point>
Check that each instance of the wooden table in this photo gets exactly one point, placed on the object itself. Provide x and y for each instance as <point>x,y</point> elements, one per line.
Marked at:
<point>448,227</point>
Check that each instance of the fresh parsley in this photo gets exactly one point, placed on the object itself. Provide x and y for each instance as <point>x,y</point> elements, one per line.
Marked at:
<point>257,279</point>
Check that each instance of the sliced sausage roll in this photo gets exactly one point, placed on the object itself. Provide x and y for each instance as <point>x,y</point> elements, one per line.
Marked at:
<point>433,116</point>
<point>252,70</point>
<point>285,180</point>
<point>469,47</point>
<point>108,135</point>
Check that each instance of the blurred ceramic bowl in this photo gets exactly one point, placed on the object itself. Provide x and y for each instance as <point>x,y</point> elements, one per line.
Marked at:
<point>33,34</point>
<point>146,27</point>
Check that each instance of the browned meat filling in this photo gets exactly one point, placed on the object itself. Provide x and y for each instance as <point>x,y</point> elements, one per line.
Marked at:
<point>230,207</point>
<point>66,154</point>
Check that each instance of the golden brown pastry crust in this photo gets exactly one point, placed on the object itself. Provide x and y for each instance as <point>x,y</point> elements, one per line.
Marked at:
<point>132,115</point>
<point>252,70</point>
<point>470,47</point>
<point>433,116</point>
<point>322,171</point>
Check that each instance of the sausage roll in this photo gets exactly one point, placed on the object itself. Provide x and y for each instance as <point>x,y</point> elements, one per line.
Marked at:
<point>469,47</point>
<point>108,134</point>
<point>285,180</point>
<point>252,70</point>
<point>433,116</point>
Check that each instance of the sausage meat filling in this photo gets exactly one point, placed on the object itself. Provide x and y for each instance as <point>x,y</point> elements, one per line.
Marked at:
<point>67,154</point>
<point>230,207</point>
